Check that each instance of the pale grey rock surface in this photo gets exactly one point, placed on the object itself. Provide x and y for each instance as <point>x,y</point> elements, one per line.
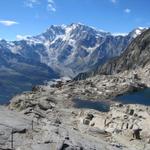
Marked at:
<point>57,125</point>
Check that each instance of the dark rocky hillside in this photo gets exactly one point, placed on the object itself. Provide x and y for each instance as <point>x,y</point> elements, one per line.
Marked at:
<point>137,55</point>
<point>19,74</point>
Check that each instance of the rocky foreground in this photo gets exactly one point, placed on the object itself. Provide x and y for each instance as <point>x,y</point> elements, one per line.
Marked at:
<point>45,119</point>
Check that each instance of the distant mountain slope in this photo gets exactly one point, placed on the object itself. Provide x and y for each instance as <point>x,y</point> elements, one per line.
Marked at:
<point>59,51</point>
<point>137,55</point>
<point>74,48</point>
<point>19,74</point>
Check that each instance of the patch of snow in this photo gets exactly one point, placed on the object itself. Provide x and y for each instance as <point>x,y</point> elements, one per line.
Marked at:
<point>22,37</point>
<point>91,49</point>
<point>41,37</point>
<point>65,78</point>
<point>13,48</point>
<point>33,42</point>
<point>72,42</point>
<point>138,31</point>
<point>16,49</point>
<point>99,30</point>
<point>57,37</point>
<point>142,28</point>
<point>120,34</point>
<point>63,26</point>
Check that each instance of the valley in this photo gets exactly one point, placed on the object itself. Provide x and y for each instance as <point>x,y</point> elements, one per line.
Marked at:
<point>84,113</point>
<point>59,125</point>
<point>74,75</point>
<point>63,50</point>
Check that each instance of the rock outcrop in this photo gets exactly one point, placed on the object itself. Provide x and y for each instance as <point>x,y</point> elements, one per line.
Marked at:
<point>137,55</point>
<point>56,124</point>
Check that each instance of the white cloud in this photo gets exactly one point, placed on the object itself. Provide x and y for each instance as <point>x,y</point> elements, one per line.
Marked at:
<point>21,37</point>
<point>113,1</point>
<point>51,5</point>
<point>127,10</point>
<point>31,3</point>
<point>8,22</point>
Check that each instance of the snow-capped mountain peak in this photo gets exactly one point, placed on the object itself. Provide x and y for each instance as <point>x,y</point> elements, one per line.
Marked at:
<point>71,49</point>
<point>136,32</point>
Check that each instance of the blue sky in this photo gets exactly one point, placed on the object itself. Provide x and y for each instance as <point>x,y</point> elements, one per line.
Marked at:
<point>30,17</point>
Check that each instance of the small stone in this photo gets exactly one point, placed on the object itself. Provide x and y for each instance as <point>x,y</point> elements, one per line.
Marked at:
<point>86,121</point>
<point>131,112</point>
<point>89,116</point>
<point>92,124</point>
<point>57,121</point>
<point>148,141</point>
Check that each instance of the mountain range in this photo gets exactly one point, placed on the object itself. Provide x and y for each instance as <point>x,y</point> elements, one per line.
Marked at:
<point>59,51</point>
<point>74,48</point>
<point>137,55</point>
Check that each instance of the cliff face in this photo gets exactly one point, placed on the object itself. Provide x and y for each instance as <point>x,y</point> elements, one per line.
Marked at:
<point>18,74</point>
<point>137,55</point>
